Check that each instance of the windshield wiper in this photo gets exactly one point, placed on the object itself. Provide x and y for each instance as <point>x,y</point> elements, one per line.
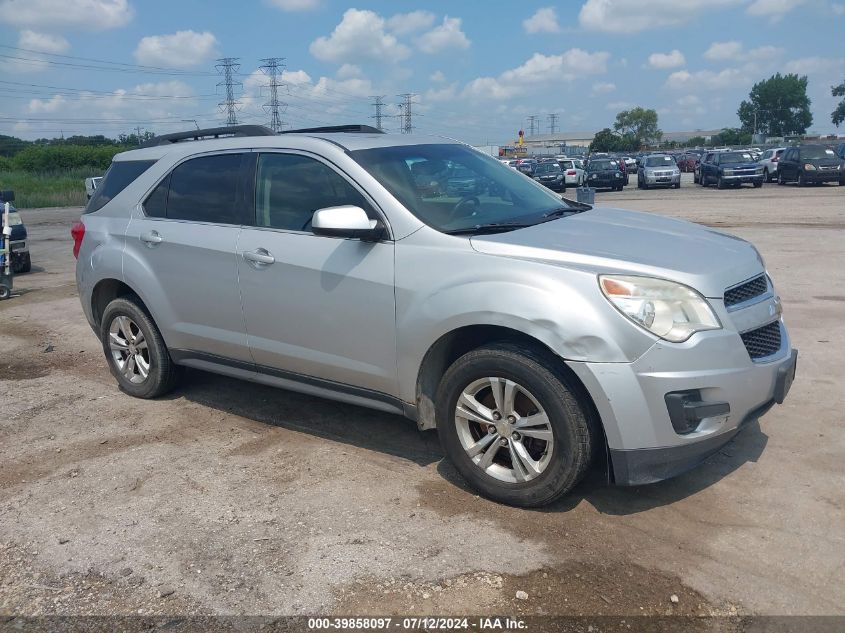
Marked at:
<point>574,207</point>
<point>493,227</point>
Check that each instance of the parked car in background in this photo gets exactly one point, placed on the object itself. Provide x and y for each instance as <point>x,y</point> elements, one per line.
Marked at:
<point>840,150</point>
<point>526,166</point>
<point>91,185</point>
<point>696,174</point>
<point>462,182</point>
<point>550,175</point>
<point>537,336</point>
<point>604,173</point>
<point>687,162</point>
<point>810,164</point>
<point>623,168</point>
<point>658,171</point>
<point>769,160</point>
<point>573,171</point>
<point>730,169</point>
<point>21,261</point>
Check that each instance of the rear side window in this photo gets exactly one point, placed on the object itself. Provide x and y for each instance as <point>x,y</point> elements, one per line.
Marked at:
<point>119,176</point>
<point>205,189</point>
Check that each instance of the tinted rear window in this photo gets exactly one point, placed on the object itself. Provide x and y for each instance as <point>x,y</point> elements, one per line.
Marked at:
<point>206,190</point>
<point>119,176</point>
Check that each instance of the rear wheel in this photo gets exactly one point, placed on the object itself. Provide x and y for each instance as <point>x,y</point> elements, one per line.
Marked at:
<point>5,292</point>
<point>135,350</point>
<point>512,427</point>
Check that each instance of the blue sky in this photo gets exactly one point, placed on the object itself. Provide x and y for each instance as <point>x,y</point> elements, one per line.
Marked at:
<point>479,68</point>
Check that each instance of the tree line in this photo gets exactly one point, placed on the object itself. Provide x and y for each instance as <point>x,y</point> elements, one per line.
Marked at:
<point>63,154</point>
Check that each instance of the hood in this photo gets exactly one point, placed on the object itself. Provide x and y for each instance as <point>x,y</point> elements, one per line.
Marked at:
<point>615,240</point>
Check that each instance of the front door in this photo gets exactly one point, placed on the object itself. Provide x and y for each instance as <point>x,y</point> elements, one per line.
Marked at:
<point>315,307</point>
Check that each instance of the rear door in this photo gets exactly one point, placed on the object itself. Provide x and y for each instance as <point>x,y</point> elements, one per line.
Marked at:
<point>316,307</point>
<point>788,164</point>
<point>180,252</point>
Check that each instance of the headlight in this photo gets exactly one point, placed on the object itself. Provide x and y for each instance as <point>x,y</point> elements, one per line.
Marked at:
<point>618,175</point>
<point>758,171</point>
<point>649,174</point>
<point>728,172</point>
<point>667,309</point>
<point>809,167</point>
<point>593,176</point>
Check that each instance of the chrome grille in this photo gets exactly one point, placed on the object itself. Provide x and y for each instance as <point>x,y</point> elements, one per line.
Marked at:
<point>745,291</point>
<point>762,342</point>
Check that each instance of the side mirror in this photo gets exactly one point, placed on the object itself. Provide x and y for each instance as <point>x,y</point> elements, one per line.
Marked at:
<point>7,196</point>
<point>346,221</point>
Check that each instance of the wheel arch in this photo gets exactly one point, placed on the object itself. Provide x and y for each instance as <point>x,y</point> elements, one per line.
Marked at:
<point>107,290</point>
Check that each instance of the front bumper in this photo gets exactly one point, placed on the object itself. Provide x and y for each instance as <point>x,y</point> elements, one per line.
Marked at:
<point>644,446</point>
<point>554,185</point>
<point>743,178</point>
<point>664,181</point>
<point>824,176</point>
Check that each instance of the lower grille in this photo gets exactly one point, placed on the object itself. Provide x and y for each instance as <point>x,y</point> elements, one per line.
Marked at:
<point>762,342</point>
<point>745,291</point>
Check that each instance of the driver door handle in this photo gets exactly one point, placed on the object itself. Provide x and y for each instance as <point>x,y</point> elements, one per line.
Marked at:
<point>152,238</point>
<point>259,257</point>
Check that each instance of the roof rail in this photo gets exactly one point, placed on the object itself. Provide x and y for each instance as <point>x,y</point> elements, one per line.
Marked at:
<point>212,132</point>
<point>352,129</point>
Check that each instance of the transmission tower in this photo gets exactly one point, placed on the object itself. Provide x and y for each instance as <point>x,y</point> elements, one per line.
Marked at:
<point>533,124</point>
<point>378,104</point>
<point>228,67</point>
<point>272,67</point>
<point>405,112</point>
<point>553,123</point>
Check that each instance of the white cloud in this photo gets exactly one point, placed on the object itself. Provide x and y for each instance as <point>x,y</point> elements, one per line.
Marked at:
<point>443,37</point>
<point>539,69</point>
<point>43,42</point>
<point>619,105</point>
<point>404,23</point>
<point>446,93</point>
<point>294,5</point>
<point>838,8</point>
<point>437,76</point>
<point>707,80</point>
<point>87,15</point>
<point>814,65</point>
<point>295,77</point>
<point>183,49</point>
<point>764,53</point>
<point>603,88</point>
<point>34,41</point>
<point>543,21</point>
<point>666,60</point>
<point>689,101</point>
<point>723,50</point>
<point>359,36</point>
<point>348,71</point>
<point>633,16</point>
<point>773,9</point>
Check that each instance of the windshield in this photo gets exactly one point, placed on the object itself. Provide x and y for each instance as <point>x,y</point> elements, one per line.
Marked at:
<point>815,152</point>
<point>544,169</point>
<point>735,157</point>
<point>659,161</point>
<point>597,165</point>
<point>418,176</point>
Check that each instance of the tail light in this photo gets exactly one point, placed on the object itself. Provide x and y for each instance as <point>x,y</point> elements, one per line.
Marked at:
<point>77,232</point>
<point>571,172</point>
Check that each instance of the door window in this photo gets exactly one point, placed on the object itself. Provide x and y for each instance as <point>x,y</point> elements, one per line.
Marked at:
<point>204,189</point>
<point>291,187</point>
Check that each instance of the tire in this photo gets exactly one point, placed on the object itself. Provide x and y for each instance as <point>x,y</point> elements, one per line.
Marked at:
<point>24,265</point>
<point>677,185</point>
<point>559,461</point>
<point>695,179</point>
<point>842,183</point>
<point>802,182</point>
<point>781,180</point>
<point>162,374</point>
<point>5,292</point>
<point>766,176</point>
<point>720,184</point>
<point>639,184</point>
<point>757,184</point>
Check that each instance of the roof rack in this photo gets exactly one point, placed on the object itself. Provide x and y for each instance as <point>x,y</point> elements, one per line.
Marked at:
<point>213,132</point>
<point>351,129</point>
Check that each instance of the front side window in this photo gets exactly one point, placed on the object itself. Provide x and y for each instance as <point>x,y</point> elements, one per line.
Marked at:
<point>452,187</point>
<point>290,188</point>
<point>204,189</point>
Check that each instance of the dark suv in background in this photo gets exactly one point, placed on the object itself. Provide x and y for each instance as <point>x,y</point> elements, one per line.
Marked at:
<point>730,168</point>
<point>807,164</point>
<point>550,175</point>
<point>604,173</point>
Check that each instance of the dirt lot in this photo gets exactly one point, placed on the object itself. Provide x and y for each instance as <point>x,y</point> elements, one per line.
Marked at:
<point>232,498</point>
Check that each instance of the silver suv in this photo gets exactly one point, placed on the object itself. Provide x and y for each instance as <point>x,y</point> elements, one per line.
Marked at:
<point>538,335</point>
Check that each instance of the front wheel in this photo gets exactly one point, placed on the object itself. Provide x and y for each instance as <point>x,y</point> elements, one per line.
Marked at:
<point>512,426</point>
<point>757,184</point>
<point>802,180</point>
<point>766,176</point>
<point>135,350</point>
<point>781,179</point>
<point>720,184</point>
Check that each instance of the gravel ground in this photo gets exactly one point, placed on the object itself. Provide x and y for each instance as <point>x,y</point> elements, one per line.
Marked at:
<point>232,498</point>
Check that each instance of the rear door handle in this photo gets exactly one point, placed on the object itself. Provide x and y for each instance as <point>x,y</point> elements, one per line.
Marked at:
<point>152,238</point>
<point>259,257</point>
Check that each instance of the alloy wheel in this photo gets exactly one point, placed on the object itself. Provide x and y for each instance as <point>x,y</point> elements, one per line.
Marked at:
<point>129,349</point>
<point>504,429</point>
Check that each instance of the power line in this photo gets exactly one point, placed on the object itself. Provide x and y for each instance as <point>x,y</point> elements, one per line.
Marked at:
<point>228,66</point>
<point>533,124</point>
<point>378,104</point>
<point>406,113</point>
<point>272,68</point>
<point>553,123</point>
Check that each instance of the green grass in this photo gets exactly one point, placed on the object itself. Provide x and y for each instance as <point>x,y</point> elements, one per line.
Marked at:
<point>49,189</point>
